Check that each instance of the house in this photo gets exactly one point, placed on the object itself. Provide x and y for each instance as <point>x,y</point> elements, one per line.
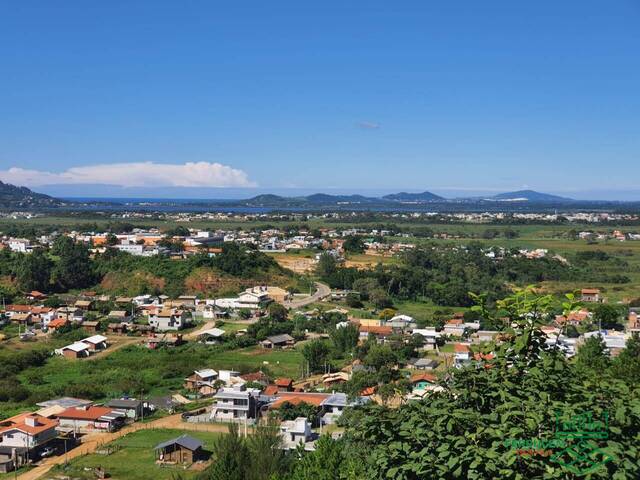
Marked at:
<point>184,449</point>
<point>211,312</point>
<point>401,322</point>
<point>235,404</point>
<point>89,418</point>
<point>117,328</point>
<point>252,299</point>
<point>296,398</point>
<point>188,300</point>
<point>380,333</point>
<point>633,322</point>
<point>21,318</point>
<point>75,350</point>
<point>91,327</point>
<point>462,354</point>
<point>423,364</point>
<point>423,380</point>
<point>154,341</point>
<point>72,314</point>
<point>484,336</point>
<point>131,407</point>
<point>83,304</point>
<point>212,336</point>
<point>119,316</point>
<point>330,379</point>
<point>295,432</point>
<point>454,327</point>
<point>278,341</point>
<point>168,319</point>
<point>96,343</point>
<point>333,406</point>
<point>36,296</point>
<point>27,430</point>
<point>574,318</point>
<point>202,382</point>
<point>284,384</point>
<point>590,295</point>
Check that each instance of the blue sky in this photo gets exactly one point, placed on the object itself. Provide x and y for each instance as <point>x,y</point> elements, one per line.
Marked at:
<point>375,96</point>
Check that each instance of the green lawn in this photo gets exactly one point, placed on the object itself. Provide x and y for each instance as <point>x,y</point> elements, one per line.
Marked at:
<point>134,458</point>
<point>281,363</point>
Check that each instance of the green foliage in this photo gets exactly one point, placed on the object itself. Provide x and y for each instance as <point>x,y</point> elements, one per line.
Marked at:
<point>33,271</point>
<point>330,461</point>
<point>316,354</point>
<point>231,457</point>
<point>353,244</point>
<point>344,339</point>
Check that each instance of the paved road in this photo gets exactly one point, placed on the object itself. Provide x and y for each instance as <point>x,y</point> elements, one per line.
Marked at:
<point>321,292</point>
<point>90,443</point>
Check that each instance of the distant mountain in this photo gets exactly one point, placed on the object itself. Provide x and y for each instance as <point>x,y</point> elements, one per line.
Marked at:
<point>270,200</point>
<point>325,198</point>
<point>413,197</point>
<point>22,197</point>
<point>528,196</point>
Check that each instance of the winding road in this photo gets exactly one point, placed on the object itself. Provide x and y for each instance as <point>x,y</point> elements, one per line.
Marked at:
<point>322,291</point>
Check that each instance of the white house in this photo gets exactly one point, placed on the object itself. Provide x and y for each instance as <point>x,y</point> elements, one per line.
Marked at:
<point>295,432</point>
<point>27,430</point>
<point>168,319</point>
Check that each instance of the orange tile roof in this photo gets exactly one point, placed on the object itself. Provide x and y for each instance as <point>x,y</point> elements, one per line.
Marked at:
<point>589,291</point>
<point>426,377</point>
<point>376,330</point>
<point>91,413</point>
<point>368,391</point>
<point>18,422</point>
<point>296,398</point>
<point>283,382</point>
<point>460,348</point>
<point>455,321</point>
<point>270,390</point>
<point>57,323</point>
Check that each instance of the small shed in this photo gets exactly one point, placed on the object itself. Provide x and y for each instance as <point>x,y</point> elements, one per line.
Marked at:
<point>184,449</point>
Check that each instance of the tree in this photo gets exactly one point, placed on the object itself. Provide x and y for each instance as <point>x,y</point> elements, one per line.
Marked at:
<point>232,457</point>
<point>327,265</point>
<point>325,463</point>
<point>353,300</point>
<point>315,353</point>
<point>345,338</point>
<point>380,298</point>
<point>33,271</point>
<point>626,366</point>
<point>111,240</point>
<point>592,355</point>
<point>353,244</point>
<point>608,316</point>
<point>380,356</point>
<point>265,451</point>
<point>277,312</point>
<point>73,269</point>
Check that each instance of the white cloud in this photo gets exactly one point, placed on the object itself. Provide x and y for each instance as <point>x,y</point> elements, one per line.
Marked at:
<point>369,125</point>
<point>138,174</point>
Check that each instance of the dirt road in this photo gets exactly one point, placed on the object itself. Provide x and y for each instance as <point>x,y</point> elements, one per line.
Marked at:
<point>90,443</point>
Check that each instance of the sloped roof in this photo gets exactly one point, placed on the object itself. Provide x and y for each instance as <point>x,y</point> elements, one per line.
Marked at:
<point>185,441</point>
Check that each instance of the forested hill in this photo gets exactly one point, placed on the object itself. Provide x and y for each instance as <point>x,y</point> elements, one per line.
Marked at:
<point>12,196</point>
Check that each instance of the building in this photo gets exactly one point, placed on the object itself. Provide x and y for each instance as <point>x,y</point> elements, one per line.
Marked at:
<point>380,333</point>
<point>236,404</point>
<point>284,384</point>
<point>27,430</point>
<point>131,407</point>
<point>462,354</point>
<point>119,316</point>
<point>168,319</point>
<point>212,336</point>
<point>96,343</point>
<point>278,341</point>
<point>75,350</point>
<point>590,295</point>
<point>184,449</point>
<point>423,364</point>
<point>295,432</point>
<point>401,322</point>
<point>202,382</point>
<point>88,418</point>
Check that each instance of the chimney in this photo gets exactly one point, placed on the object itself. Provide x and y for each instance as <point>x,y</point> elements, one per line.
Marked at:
<point>31,421</point>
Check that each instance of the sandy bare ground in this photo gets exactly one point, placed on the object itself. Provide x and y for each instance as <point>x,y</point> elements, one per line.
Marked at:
<point>90,443</point>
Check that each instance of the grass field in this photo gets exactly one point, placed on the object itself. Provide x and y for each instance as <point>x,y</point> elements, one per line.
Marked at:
<point>134,458</point>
